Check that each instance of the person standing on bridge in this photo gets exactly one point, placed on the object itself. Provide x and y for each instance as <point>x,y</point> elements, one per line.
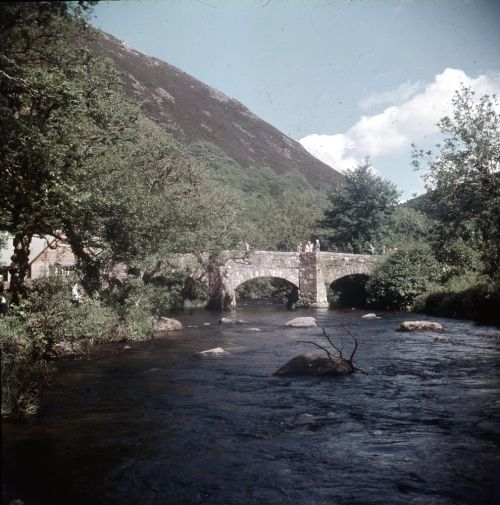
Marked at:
<point>317,247</point>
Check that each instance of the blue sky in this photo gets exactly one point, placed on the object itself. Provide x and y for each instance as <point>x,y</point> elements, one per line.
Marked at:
<point>345,78</point>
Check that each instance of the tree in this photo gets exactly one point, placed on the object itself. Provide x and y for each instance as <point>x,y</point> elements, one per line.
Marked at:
<point>464,177</point>
<point>80,162</point>
<point>402,277</point>
<point>281,223</point>
<point>59,108</point>
<point>360,211</point>
<point>407,226</point>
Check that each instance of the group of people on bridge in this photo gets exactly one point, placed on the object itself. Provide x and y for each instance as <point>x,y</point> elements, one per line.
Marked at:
<point>309,247</point>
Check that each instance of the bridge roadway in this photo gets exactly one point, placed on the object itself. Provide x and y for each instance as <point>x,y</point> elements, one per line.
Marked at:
<point>311,273</point>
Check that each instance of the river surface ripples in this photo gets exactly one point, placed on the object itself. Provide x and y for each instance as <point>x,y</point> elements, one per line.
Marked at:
<point>160,424</point>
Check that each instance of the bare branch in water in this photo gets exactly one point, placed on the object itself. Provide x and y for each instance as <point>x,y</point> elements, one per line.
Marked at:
<point>346,329</point>
<point>328,353</point>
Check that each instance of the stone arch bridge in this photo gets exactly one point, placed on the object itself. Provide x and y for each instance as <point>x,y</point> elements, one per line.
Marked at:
<point>311,273</point>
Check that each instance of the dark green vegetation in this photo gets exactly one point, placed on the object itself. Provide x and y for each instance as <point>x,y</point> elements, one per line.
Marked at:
<point>359,215</point>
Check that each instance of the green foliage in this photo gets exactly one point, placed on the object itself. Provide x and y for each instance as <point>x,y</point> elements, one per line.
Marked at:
<point>408,226</point>
<point>82,163</point>
<point>259,182</point>
<point>284,222</point>
<point>49,316</point>
<point>402,278</point>
<point>360,212</point>
<point>464,177</point>
<point>47,323</point>
<point>478,301</point>
<point>304,302</point>
<point>457,255</point>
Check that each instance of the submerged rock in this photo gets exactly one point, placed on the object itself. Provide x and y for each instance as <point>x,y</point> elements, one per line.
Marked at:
<point>216,351</point>
<point>302,322</point>
<point>226,320</point>
<point>167,324</point>
<point>420,326</point>
<point>314,364</point>
<point>65,348</point>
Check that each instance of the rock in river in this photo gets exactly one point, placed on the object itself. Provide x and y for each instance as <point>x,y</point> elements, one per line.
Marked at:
<point>302,322</point>
<point>314,364</point>
<point>216,351</point>
<point>167,324</point>
<point>226,320</point>
<point>420,326</point>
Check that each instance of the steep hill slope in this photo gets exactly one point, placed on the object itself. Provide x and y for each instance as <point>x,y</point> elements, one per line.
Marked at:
<point>210,121</point>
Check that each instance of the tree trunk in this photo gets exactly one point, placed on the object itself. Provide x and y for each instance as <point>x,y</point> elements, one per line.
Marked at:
<point>89,266</point>
<point>19,267</point>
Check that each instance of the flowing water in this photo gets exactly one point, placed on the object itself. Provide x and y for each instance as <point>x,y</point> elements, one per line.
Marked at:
<point>159,424</point>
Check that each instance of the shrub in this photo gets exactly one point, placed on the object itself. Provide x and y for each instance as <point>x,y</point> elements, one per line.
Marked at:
<point>402,278</point>
<point>479,302</point>
<point>44,323</point>
<point>304,302</point>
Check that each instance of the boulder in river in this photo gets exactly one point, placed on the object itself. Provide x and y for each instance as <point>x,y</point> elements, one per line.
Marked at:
<point>371,315</point>
<point>315,364</point>
<point>226,320</point>
<point>65,348</point>
<point>420,326</point>
<point>167,324</point>
<point>302,322</point>
<point>216,351</point>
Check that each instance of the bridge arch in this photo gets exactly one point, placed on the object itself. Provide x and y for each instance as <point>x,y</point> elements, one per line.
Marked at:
<point>232,280</point>
<point>268,288</point>
<point>348,291</point>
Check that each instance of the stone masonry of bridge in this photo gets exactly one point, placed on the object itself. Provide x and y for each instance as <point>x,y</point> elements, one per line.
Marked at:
<point>311,273</point>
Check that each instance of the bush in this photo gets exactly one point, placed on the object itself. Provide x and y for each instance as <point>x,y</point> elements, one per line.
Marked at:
<point>479,302</point>
<point>45,323</point>
<point>304,302</point>
<point>399,282</point>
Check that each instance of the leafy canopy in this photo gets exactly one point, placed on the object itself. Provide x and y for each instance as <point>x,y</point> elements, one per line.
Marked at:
<point>463,178</point>
<point>78,159</point>
<point>360,211</point>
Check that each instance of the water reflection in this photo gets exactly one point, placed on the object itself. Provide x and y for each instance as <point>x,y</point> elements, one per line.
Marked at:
<point>158,424</point>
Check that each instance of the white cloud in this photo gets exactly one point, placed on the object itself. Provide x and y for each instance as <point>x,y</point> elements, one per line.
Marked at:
<point>391,131</point>
<point>393,97</point>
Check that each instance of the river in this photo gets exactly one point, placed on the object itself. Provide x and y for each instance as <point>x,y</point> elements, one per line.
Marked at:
<point>158,424</point>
